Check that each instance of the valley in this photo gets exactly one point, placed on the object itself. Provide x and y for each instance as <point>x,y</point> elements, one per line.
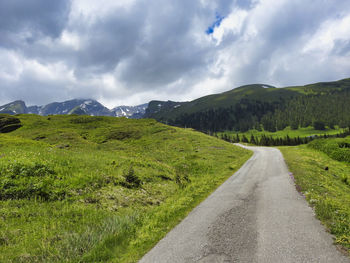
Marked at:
<point>80,188</point>
<point>174,131</point>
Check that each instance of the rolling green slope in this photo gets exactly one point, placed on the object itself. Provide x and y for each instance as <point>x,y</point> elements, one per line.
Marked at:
<point>338,149</point>
<point>101,189</point>
<point>223,100</point>
<point>251,106</point>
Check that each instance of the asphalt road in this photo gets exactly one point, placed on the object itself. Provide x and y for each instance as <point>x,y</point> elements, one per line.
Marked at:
<point>255,216</point>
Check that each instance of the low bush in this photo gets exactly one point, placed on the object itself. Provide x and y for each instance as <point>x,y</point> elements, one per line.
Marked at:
<point>131,179</point>
<point>336,148</point>
<point>21,180</point>
<point>123,134</point>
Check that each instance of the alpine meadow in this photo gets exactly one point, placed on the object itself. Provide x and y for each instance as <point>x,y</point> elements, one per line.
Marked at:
<point>94,189</point>
<point>165,131</point>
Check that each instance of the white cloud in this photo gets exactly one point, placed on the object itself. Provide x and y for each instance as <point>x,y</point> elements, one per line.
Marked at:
<point>10,65</point>
<point>70,39</point>
<point>324,40</point>
<point>92,9</point>
<point>230,25</point>
<point>133,51</point>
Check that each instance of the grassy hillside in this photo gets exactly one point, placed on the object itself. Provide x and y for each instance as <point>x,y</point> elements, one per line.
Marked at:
<point>325,183</point>
<point>101,189</point>
<point>260,92</point>
<point>223,100</point>
<point>256,105</point>
<point>338,149</point>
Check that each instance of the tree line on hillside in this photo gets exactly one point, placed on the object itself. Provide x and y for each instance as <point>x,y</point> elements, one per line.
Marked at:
<point>320,110</point>
<point>264,140</point>
<point>242,116</point>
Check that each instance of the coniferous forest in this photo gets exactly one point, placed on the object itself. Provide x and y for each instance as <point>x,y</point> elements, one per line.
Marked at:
<point>265,140</point>
<point>269,109</point>
<point>302,111</point>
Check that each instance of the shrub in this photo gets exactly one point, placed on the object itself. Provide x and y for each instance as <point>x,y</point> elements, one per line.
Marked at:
<point>345,179</point>
<point>344,145</point>
<point>336,148</point>
<point>123,134</point>
<point>17,170</point>
<point>19,181</point>
<point>131,179</point>
<point>319,125</point>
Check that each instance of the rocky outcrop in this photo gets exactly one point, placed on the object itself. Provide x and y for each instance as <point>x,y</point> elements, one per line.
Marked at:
<point>9,123</point>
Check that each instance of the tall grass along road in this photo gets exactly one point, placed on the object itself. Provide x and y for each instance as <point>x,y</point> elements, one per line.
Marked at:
<point>255,216</point>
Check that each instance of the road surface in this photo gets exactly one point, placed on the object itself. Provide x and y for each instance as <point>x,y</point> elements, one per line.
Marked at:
<point>255,216</point>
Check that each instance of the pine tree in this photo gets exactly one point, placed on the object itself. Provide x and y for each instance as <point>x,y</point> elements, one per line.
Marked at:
<point>244,139</point>
<point>237,138</point>
<point>252,139</point>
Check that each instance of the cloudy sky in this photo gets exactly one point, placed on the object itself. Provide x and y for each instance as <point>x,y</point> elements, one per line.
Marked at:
<point>133,51</point>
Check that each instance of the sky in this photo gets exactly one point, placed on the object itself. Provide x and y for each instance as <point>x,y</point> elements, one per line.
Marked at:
<point>128,52</point>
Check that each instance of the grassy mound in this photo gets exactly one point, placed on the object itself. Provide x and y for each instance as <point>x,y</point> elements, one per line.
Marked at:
<point>338,149</point>
<point>100,189</point>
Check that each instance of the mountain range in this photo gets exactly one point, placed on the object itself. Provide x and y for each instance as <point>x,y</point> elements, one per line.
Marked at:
<point>256,106</point>
<point>75,106</point>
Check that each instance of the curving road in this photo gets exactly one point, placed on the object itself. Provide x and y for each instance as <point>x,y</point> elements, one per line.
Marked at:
<point>255,216</point>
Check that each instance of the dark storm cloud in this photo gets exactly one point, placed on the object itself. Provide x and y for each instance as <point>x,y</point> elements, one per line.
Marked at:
<point>117,50</point>
<point>169,49</point>
<point>29,20</point>
<point>149,45</point>
<point>111,39</point>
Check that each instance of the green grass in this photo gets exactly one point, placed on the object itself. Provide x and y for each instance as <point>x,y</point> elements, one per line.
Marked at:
<point>338,149</point>
<point>101,189</point>
<point>325,184</point>
<point>301,132</point>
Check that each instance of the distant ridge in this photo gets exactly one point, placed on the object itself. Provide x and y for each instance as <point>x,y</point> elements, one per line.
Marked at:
<point>15,107</point>
<point>75,106</point>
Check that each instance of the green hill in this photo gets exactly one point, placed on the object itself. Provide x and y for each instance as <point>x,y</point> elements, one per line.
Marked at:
<point>260,106</point>
<point>91,189</point>
<point>338,148</point>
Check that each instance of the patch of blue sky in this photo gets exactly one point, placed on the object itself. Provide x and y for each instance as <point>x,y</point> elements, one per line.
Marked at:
<point>217,23</point>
